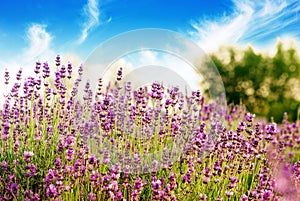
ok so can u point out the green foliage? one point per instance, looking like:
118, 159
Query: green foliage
267, 85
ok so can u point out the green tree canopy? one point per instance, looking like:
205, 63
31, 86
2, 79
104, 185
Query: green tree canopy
267, 85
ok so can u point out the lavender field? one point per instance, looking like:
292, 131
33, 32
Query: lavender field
55, 146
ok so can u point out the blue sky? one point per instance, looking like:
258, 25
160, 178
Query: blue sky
38, 29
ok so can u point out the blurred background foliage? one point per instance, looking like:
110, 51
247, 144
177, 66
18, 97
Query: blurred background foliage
268, 85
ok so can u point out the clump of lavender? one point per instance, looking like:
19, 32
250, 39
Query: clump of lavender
150, 143
142, 124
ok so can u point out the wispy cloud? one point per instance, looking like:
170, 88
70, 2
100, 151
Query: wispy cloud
249, 22
39, 46
92, 13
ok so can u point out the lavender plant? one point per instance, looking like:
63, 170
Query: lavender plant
152, 143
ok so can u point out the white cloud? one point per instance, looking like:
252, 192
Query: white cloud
148, 57
249, 22
149, 60
39, 47
92, 13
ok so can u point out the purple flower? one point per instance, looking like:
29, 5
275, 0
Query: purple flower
51, 191
267, 194
50, 176
32, 170
4, 166
27, 156
119, 195
138, 187
119, 74
92, 159
113, 186
30, 196
202, 197
244, 198
249, 117
95, 175
229, 193
70, 154
70, 141
91, 196
233, 179
172, 180
205, 179
58, 163
6, 76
